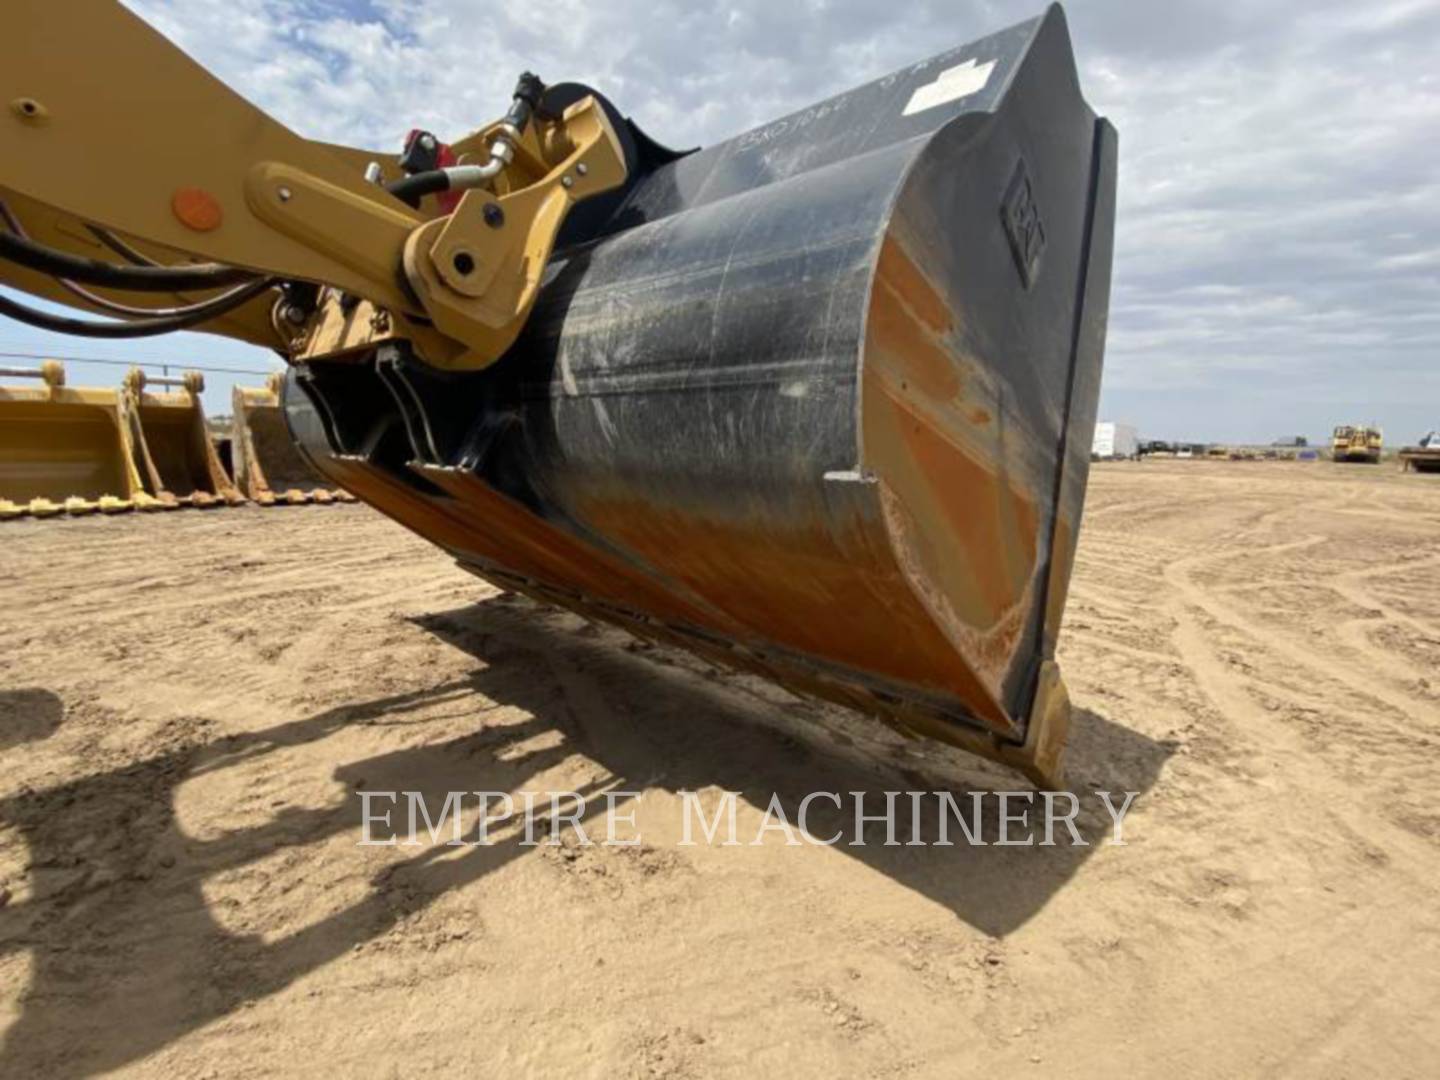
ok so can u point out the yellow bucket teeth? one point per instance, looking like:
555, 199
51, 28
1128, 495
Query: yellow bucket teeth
146, 446
174, 455
63, 450
269, 469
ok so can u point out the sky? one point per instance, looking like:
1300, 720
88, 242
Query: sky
1277, 257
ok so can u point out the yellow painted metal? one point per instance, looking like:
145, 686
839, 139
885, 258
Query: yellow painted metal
64, 450
269, 469
124, 119
478, 283
171, 444
474, 314
1357, 443
107, 125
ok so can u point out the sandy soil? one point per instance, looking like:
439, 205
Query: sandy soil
190, 704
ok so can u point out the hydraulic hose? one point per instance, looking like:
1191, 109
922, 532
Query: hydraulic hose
120, 247
130, 311
526, 101
46, 260
102, 302
452, 178
191, 316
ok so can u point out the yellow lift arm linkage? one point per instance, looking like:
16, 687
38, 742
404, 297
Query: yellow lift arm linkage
110, 133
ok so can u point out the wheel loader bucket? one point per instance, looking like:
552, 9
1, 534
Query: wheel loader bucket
269, 468
816, 403
171, 443
63, 450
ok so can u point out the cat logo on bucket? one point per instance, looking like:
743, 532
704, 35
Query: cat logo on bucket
1023, 225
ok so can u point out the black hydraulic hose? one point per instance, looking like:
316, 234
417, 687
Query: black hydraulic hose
124, 250
113, 307
197, 313
528, 92
56, 263
410, 189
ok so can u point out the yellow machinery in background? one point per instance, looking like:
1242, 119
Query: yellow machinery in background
269, 468
1357, 443
64, 450
171, 444
146, 445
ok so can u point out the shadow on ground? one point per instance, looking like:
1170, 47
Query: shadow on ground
655, 718
126, 955
28, 715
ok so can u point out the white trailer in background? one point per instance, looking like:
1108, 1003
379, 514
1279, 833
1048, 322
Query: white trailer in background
1114, 440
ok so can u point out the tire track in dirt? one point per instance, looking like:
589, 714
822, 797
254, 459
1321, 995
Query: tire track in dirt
1358, 682
1379, 721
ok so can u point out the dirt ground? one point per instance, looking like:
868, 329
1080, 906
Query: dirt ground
190, 704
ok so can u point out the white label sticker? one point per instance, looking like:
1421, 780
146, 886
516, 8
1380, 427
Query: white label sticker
956, 82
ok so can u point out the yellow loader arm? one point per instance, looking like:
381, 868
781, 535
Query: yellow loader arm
113, 140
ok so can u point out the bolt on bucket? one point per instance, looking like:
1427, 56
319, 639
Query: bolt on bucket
173, 453
815, 403
62, 449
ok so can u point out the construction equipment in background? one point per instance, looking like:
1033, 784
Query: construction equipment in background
1424, 456
269, 468
815, 403
170, 441
64, 450
1356, 443
1115, 442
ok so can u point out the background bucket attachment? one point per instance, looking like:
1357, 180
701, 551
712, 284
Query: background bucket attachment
171, 444
268, 467
63, 450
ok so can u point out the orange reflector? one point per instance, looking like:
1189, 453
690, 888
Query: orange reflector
197, 209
